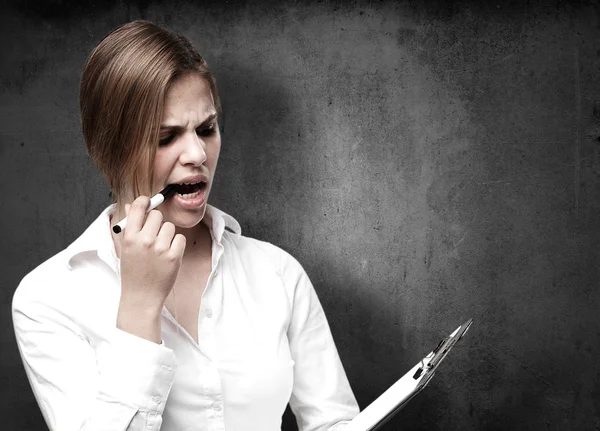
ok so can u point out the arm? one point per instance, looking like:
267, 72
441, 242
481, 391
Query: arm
114, 386
321, 397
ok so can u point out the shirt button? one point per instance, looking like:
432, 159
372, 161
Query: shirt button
209, 313
156, 400
217, 407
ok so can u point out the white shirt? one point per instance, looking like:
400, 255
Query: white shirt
263, 340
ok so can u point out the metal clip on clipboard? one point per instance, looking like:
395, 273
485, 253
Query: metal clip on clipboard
400, 393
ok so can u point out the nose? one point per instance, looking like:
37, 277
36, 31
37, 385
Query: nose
193, 151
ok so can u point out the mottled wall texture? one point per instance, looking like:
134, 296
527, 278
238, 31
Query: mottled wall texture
426, 162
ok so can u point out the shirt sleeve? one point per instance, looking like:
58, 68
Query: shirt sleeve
122, 389
322, 399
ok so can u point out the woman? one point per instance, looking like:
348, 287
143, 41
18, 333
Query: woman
179, 322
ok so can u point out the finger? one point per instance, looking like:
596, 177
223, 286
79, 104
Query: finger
178, 246
165, 237
152, 225
136, 214
127, 206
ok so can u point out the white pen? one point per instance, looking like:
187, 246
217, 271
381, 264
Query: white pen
155, 201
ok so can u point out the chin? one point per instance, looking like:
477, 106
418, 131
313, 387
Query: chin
188, 221
187, 225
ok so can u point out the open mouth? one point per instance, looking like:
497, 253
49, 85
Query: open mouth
189, 191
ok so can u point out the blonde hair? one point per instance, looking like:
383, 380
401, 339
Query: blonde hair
122, 96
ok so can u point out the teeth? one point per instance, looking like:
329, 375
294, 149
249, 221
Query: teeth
190, 195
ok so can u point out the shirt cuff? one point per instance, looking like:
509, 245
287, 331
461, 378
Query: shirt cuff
136, 371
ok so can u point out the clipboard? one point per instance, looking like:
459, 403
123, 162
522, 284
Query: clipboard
400, 393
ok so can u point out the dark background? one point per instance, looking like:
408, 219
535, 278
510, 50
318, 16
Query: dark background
426, 162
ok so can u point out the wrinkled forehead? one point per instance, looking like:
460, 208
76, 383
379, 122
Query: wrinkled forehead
188, 100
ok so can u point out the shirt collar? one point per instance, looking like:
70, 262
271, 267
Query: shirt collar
97, 236
218, 222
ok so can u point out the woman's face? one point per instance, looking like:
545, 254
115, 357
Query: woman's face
188, 150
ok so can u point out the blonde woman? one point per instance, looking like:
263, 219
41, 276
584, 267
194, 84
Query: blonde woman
179, 322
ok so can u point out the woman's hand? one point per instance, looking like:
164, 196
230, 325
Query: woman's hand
151, 256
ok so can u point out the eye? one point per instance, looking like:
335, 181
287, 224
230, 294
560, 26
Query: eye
163, 142
207, 131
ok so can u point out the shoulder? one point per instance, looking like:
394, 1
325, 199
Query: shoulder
263, 252
259, 260
248, 245
43, 296
267, 262
42, 281
226, 229
63, 279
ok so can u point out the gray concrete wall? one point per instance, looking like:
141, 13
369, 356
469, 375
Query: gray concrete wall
426, 163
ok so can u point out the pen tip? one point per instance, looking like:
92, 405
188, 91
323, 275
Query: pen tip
169, 191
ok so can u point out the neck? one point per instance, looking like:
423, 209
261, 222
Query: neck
198, 242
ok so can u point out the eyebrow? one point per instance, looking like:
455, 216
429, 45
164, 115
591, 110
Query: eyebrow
211, 118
